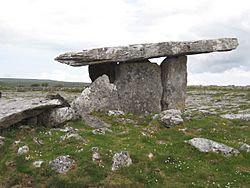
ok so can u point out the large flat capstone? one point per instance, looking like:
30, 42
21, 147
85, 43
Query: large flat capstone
139, 52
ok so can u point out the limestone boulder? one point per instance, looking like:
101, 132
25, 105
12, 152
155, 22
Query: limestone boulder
170, 117
139, 87
100, 95
56, 116
15, 111
94, 122
174, 82
206, 145
62, 164
121, 159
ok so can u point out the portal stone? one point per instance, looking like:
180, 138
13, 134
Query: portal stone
100, 95
97, 70
174, 82
139, 87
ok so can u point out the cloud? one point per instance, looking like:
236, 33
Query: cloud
63, 75
234, 76
33, 32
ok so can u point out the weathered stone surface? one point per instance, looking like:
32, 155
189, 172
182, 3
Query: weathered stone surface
23, 150
56, 116
139, 87
38, 164
101, 131
245, 117
96, 157
174, 82
2, 139
14, 111
98, 70
100, 95
170, 117
94, 122
206, 145
62, 164
145, 51
115, 113
245, 147
59, 97
121, 159
70, 135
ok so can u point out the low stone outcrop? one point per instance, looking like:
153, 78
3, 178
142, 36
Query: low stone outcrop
94, 122
170, 117
62, 164
23, 150
121, 159
244, 117
2, 139
245, 147
206, 145
56, 116
12, 112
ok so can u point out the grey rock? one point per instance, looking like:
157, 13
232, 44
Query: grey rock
68, 129
38, 141
115, 113
59, 97
101, 131
145, 51
2, 140
121, 159
56, 116
62, 164
126, 121
206, 145
97, 70
139, 87
94, 122
245, 117
38, 164
96, 157
14, 111
23, 150
70, 135
100, 95
171, 117
174, 82
245, 147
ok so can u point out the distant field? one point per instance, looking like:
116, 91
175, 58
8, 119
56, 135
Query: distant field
16, 82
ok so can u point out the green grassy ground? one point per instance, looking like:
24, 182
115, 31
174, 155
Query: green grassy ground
174, 163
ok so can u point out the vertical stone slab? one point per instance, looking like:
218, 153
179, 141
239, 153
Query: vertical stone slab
174, 82
97, 70
139, 87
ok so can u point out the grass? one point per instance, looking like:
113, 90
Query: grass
174, 163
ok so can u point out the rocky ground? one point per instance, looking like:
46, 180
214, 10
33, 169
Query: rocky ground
206, 146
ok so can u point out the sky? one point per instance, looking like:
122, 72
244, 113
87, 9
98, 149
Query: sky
34, 32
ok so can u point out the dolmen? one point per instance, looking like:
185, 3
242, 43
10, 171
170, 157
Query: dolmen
124, 78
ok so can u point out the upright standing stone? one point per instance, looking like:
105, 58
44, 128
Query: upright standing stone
97, 70
139, 87
100, 95
174, 82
